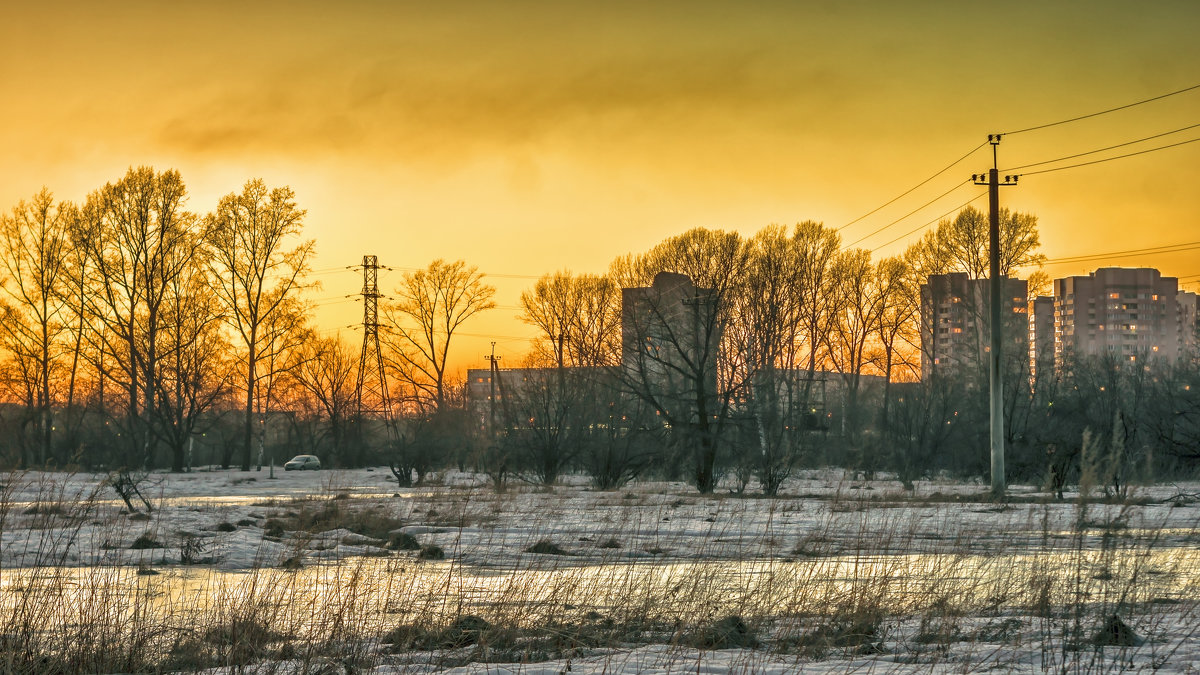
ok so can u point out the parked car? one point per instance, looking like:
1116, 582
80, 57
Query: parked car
302, 462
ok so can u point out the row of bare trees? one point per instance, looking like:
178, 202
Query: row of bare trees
133, 325
133, 314
735, 358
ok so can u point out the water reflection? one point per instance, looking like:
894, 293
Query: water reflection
368, 596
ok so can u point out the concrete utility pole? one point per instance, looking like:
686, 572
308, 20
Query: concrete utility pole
996, 393
493, 373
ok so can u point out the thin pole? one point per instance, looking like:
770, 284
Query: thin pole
997, 385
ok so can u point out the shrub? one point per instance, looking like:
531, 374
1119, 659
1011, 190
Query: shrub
431, 552
146, 540
728, 633
547, 547
403, 541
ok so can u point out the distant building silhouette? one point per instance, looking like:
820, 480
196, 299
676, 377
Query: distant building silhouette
670, 338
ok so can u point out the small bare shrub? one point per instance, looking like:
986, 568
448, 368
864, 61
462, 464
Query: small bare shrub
403, 541
728, 633
547, 547
146, 540
431, 552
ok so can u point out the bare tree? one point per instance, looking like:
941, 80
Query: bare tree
961, 244
897, 328
675, 325
257, 276
194, 374
579, 318
139, 240
326, 370
547, 418
431, 305
855, 320
767, 325
34, 243
817, 249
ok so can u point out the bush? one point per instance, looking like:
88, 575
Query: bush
547, 547
728, 633
431, 552
146, 540
403, 541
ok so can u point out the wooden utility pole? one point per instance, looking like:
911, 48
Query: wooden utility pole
995, 311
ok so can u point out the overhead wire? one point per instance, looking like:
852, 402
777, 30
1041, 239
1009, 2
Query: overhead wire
1109, 159
910, 213
913, 188
921, 227
1092, 152
1102, 112
1031, 173
1127, 253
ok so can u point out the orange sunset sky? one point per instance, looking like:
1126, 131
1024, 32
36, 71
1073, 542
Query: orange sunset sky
529, 137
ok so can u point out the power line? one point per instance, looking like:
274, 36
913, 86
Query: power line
1111, 147
910, 190
1109, 159
486, 274
1128, 253
901, 218
1102, 112
921, 227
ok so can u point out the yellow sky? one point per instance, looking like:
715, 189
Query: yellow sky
527, 137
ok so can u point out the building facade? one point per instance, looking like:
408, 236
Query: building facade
1128, 314
1041, 336
955, 322
670, 343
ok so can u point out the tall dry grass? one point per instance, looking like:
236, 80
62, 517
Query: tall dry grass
870, 581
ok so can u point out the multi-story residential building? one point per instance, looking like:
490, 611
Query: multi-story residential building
670, 339
955, 321
1189, 320
1041, 336
1124, 313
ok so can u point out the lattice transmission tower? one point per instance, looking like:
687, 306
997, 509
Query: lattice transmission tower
371, 392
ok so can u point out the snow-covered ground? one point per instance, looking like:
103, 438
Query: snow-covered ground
951, 582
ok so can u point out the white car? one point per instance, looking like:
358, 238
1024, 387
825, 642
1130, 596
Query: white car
302, 462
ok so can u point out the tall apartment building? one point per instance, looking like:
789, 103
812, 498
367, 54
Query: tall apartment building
670, 337
1126, 313
1042, 336
955, 321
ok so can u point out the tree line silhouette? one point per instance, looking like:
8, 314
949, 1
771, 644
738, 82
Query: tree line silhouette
137, 333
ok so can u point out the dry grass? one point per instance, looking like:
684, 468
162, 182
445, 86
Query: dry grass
918, 595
